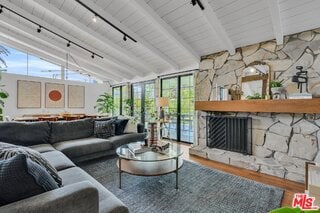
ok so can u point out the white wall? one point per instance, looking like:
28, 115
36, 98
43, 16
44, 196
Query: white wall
92, 91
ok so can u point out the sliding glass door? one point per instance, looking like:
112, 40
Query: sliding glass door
180, 91
120, 96
143, 95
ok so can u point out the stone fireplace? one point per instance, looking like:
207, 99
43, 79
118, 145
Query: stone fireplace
281, 142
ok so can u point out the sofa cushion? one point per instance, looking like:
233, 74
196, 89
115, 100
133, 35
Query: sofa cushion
9, 150
119, 140
25, 134
120, 125
84, 146
107, 201
70, 130
43, 148
104, 129
20, 178
58, 160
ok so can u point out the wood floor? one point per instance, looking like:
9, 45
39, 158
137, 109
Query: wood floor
290, 187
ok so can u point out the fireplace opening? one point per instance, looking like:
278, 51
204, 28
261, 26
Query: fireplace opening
230, 133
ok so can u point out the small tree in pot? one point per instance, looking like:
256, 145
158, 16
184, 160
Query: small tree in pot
105, 104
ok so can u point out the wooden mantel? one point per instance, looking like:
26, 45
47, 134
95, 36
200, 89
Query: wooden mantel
279, 106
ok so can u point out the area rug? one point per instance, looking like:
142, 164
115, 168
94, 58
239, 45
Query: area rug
200, 190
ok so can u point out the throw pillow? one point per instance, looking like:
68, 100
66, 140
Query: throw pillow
131, 126
9, 150
104, 129
120, 124
21, 178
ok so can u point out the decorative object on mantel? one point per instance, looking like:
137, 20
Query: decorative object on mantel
277, 90
222, 94
255, 81
235, 92
301, 78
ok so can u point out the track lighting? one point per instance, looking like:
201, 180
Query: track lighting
194, 2
92, 56
39, 29
94, 19
101, 18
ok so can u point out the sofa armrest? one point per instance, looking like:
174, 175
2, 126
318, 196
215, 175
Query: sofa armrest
73, 198
140, 128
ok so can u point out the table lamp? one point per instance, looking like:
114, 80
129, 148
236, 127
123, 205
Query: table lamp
162, 102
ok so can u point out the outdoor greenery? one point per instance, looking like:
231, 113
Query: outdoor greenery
276, 83
3, 94
104, 103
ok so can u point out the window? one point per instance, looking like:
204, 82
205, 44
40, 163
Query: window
116, 94
126, 104
25, 64
143, 94
180, 91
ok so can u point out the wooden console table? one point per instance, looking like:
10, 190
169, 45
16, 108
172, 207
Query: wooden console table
311, 106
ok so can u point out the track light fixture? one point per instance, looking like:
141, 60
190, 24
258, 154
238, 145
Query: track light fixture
92, 56
194, 2
40, 28
94, 19
124, 37
105, 20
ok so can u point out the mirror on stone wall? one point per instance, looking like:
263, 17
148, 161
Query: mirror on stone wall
255, 80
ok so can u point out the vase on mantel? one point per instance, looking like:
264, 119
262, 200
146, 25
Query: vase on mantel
278, 93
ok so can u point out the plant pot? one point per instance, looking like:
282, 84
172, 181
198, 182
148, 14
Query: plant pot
278, 93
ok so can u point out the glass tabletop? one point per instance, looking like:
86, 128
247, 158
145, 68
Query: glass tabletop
172, 152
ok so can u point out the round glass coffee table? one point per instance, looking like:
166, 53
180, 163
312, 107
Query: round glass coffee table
150, 163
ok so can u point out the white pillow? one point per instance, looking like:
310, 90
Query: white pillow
131, 126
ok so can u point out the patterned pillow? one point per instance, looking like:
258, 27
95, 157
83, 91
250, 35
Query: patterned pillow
22, 178
104, 129
9, 150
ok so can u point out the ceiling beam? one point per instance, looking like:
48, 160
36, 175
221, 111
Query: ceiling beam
54, 44
41, 51
215, 24
167, 30
107, 58
126, 29
276, 20
143, 67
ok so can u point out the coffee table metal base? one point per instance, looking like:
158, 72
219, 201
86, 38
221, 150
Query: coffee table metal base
154, 168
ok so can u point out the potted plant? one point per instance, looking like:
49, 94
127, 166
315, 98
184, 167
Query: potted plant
105, 104
3, 94
277, 89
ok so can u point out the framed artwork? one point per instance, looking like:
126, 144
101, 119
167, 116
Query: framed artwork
54, 95
76, 96
28, 94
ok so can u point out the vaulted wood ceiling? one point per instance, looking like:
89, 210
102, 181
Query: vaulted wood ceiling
171, 35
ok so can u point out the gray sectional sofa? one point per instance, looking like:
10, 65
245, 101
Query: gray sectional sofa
64, 144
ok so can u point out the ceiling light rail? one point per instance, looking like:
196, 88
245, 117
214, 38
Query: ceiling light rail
40, 28
125, 35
